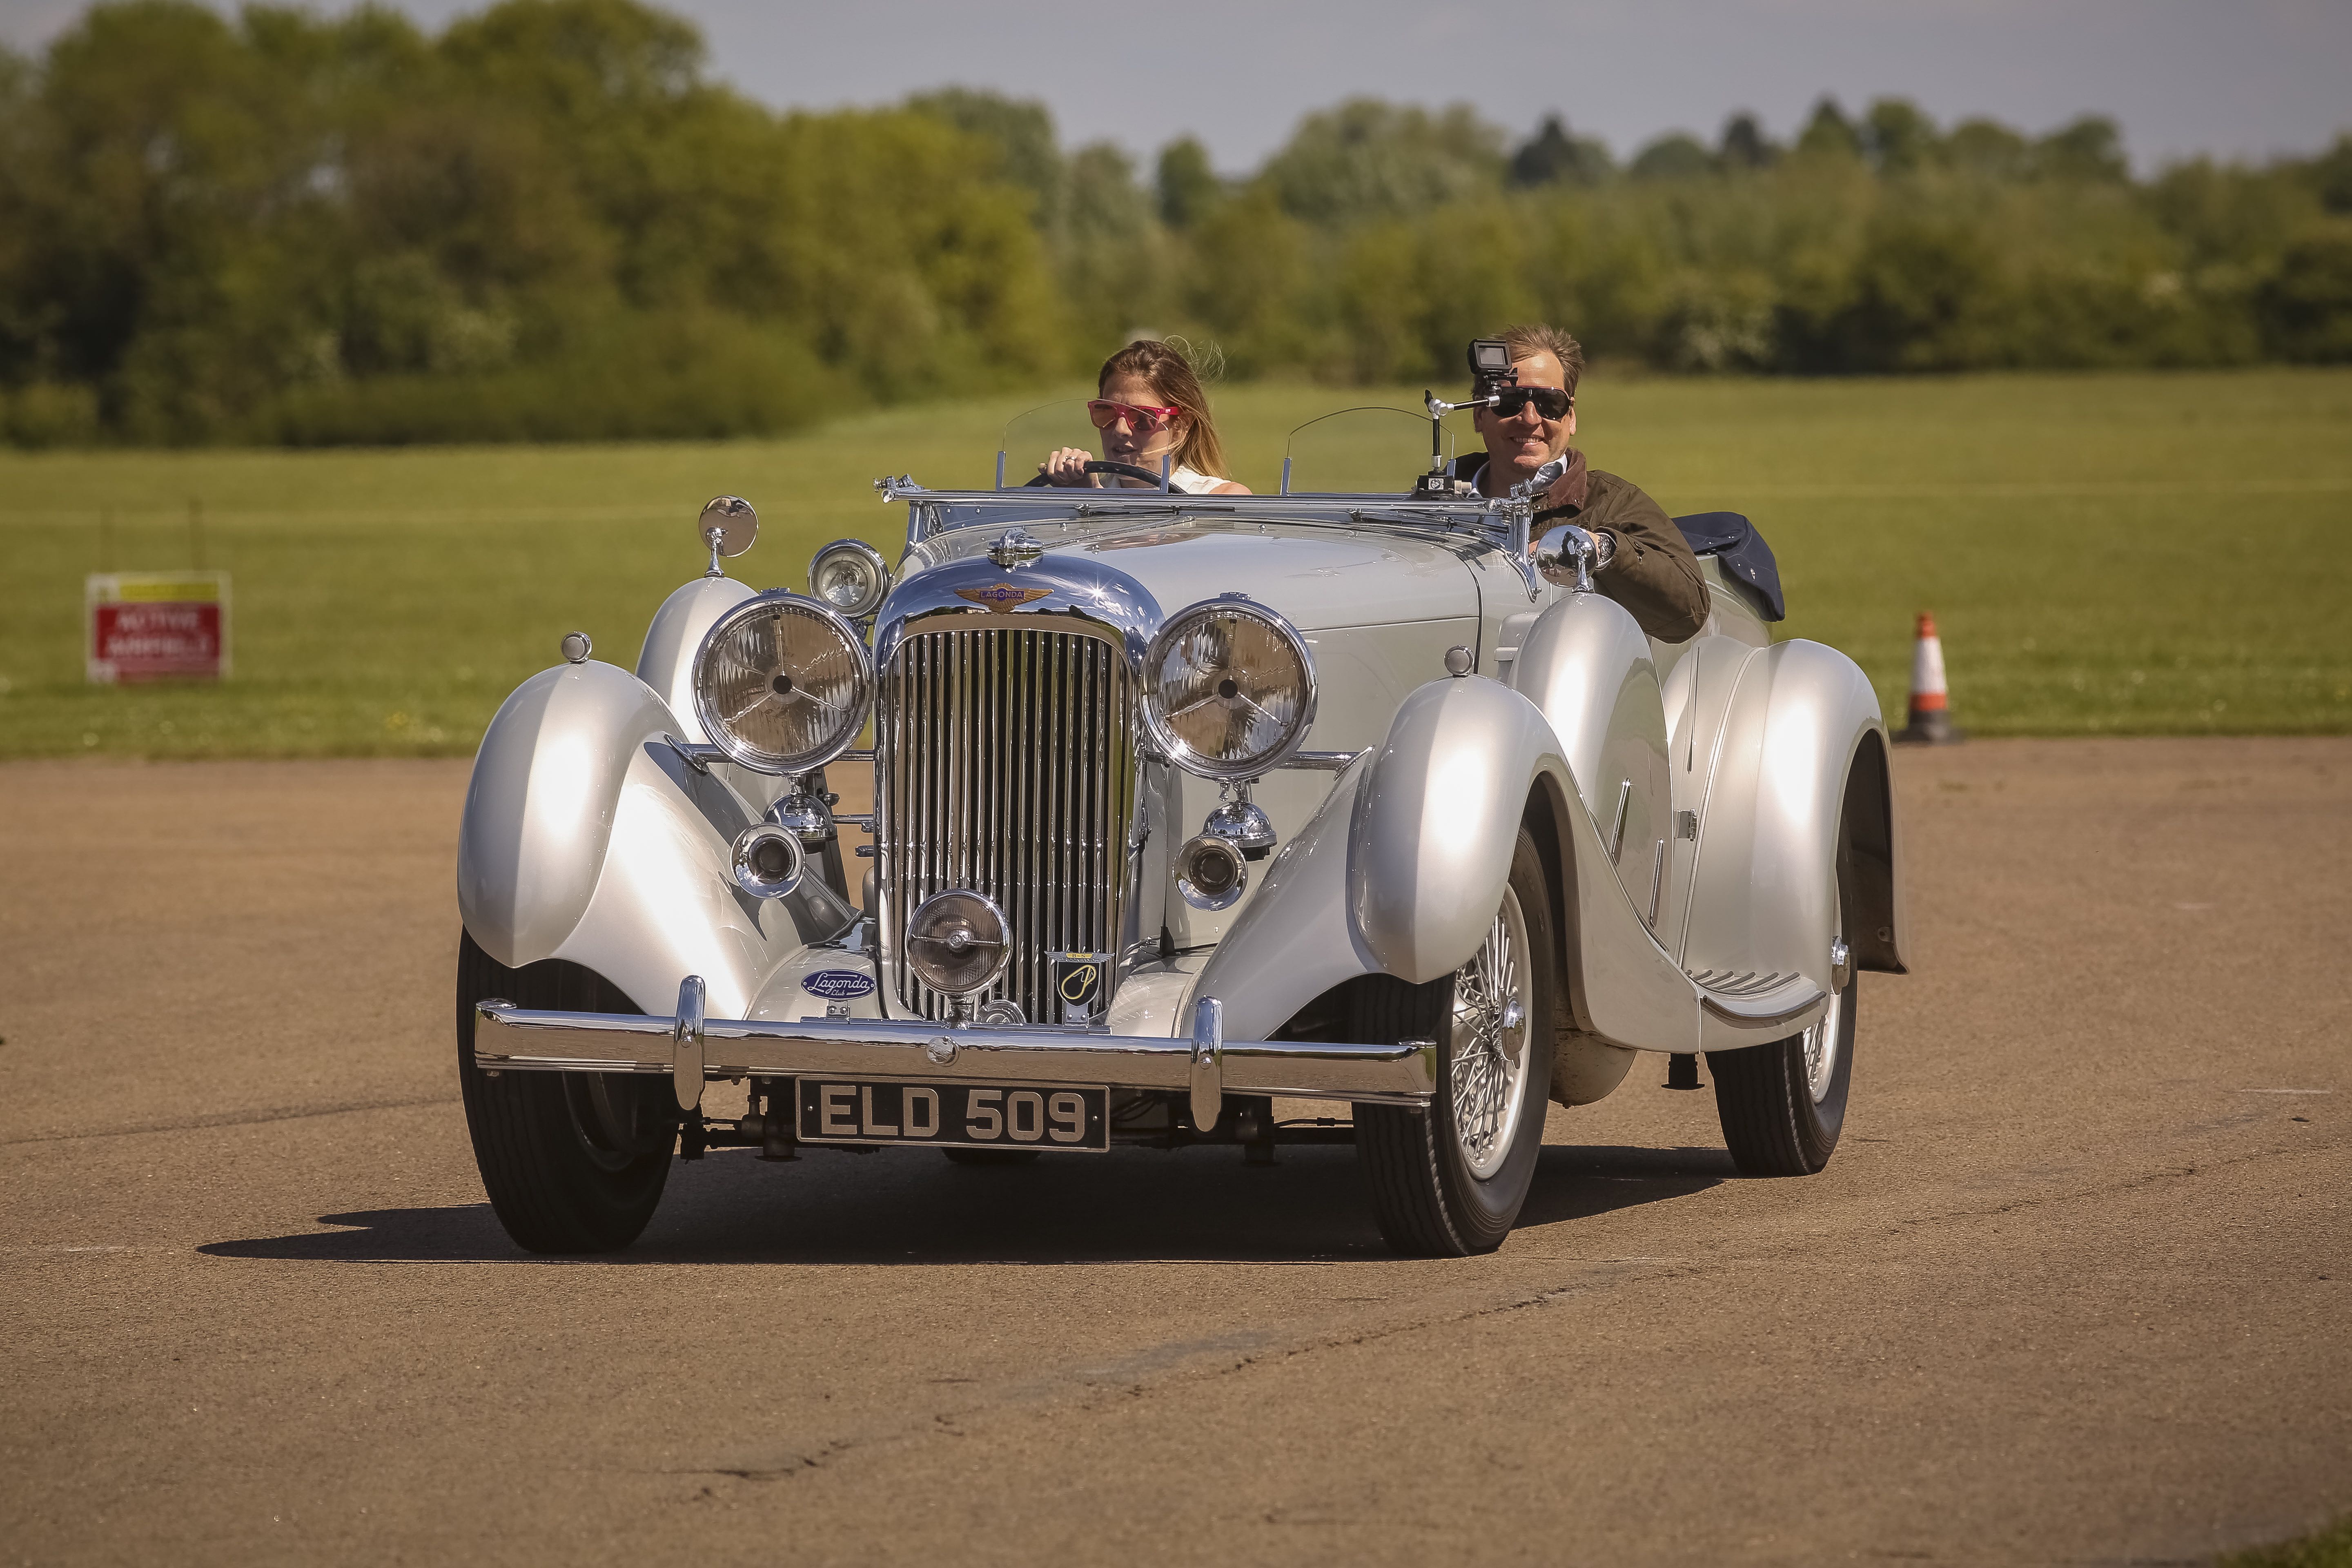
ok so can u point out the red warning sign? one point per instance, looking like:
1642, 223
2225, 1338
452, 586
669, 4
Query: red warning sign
157, 625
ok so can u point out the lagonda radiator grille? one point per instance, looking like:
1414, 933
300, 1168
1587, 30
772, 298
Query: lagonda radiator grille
1006, 766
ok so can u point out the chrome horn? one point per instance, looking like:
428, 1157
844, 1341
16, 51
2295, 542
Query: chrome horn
768, 860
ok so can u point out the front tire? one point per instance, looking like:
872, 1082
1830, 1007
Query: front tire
1450, 1181
572, 1162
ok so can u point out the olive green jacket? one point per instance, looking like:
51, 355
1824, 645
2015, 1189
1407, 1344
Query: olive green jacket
1653, 572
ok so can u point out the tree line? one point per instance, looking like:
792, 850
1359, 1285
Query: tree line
545, 222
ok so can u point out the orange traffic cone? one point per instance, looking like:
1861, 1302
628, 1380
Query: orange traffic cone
1931, 718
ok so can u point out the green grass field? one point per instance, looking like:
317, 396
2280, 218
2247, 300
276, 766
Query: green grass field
2104, 554
2327, 1548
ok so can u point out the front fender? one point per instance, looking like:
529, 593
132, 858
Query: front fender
539, 806
587, 837
1588, 668
1294, 940
1439, 811
1401, 869
665, 663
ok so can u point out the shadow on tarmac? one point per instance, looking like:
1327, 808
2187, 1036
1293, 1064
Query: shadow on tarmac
1194, 1205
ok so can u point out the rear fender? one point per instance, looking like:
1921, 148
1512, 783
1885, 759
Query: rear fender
1802, 737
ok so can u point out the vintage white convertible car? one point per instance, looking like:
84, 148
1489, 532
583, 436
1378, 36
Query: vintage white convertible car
1187, 810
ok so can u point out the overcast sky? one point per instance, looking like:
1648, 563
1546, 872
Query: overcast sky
2231, 78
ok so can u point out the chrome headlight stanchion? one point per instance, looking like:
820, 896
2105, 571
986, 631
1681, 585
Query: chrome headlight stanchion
807, 817
1228, 694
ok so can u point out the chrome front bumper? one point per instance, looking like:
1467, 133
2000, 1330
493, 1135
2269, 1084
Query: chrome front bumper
691, 1049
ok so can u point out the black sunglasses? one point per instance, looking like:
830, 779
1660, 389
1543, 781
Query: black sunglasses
1550, 401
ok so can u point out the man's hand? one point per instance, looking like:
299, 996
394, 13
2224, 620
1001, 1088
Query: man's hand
1068, 466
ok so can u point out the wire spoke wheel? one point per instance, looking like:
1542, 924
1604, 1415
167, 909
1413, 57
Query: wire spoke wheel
1489, 1070
1450, 1180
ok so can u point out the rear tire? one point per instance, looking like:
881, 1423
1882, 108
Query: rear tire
572, 1162
1782, 1106
1450, 1181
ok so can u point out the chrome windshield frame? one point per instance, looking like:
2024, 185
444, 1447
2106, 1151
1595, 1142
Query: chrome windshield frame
1502, 523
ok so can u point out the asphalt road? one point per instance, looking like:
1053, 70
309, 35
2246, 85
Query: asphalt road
2076, 1288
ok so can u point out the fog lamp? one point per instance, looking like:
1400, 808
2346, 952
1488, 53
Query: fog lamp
849, 576
958, 942
1242, 823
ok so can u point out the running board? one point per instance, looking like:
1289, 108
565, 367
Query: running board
1739, 1010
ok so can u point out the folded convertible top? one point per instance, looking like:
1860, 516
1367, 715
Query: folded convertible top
1733, 540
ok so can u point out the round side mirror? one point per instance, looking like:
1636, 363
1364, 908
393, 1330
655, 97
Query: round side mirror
726, 527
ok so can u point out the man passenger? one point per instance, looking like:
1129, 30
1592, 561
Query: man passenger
1645, 563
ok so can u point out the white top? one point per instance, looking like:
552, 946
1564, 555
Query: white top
1186, 479
1191, 480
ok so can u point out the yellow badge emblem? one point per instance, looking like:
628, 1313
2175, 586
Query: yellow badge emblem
1001, 596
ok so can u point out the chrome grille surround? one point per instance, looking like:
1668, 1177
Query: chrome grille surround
1006, 763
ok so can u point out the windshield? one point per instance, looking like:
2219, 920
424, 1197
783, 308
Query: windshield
1371, 451
1362, 451
1030, 438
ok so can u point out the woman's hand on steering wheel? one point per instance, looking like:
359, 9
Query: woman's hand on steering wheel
1068, 466
1075, 466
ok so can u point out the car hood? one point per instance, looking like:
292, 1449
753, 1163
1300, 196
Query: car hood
1319, 577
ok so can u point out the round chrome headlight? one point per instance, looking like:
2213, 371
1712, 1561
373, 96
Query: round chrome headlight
782, 684
958, 942
849, 576
1228, 689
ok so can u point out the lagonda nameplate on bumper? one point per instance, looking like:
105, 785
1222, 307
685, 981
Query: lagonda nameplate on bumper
953, 1115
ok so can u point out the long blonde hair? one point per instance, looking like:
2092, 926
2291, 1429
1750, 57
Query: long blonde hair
1170, 375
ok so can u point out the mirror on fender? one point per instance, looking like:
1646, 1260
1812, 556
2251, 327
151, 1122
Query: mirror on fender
726, 527
1565, 557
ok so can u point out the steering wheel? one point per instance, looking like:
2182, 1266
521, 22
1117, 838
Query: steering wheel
1130, 469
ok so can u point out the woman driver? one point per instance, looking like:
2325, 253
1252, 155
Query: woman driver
1149, 404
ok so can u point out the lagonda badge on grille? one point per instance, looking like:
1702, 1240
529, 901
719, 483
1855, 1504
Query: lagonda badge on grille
1002, 597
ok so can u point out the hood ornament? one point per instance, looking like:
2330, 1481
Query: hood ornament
1015, 548
1003, 598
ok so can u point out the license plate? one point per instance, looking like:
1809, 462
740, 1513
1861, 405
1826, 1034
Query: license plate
954, 1115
